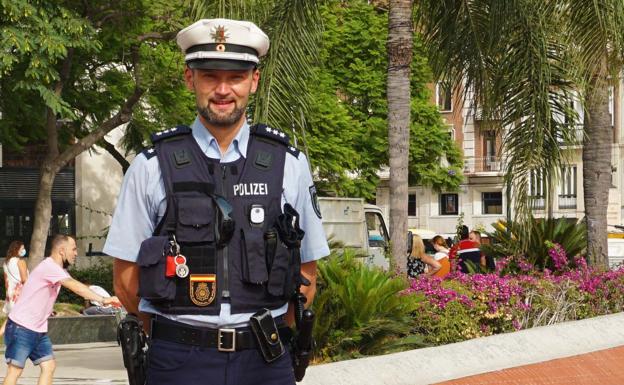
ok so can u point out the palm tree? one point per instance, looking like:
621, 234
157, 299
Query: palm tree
595, 32
400, 38
522, 61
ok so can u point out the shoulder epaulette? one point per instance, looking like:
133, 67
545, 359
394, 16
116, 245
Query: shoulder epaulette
169, 133
293, 151
149, 152
270, 133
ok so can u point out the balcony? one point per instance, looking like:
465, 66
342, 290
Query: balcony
538, 202
567, 202
489, 164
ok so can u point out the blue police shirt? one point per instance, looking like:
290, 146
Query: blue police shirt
142, 204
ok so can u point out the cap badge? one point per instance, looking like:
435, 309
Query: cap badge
220, 35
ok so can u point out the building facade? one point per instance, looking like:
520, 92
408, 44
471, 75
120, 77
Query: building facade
83, 196
481, 198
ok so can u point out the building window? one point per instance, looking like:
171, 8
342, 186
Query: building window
567, 188
449, 204
411, 205
443, 97
537, 192
18, 194
491, 162
492, 202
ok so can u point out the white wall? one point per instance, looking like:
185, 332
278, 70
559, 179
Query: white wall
98, 179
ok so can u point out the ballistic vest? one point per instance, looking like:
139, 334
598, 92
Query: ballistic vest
249, 271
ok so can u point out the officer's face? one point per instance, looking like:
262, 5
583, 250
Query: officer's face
222, 96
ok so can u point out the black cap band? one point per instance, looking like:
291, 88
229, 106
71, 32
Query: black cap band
221, 64
221, 47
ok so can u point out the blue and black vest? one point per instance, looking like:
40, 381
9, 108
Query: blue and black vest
241, 263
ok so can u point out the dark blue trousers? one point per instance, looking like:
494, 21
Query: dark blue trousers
172, 363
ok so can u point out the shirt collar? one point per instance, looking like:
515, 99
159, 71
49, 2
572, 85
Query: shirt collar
210, 147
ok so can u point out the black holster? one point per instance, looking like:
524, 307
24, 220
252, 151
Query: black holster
302, 342
134, 346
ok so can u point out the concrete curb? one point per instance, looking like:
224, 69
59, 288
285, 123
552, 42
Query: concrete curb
431, 365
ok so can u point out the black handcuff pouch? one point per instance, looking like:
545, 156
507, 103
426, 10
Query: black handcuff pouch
267, 335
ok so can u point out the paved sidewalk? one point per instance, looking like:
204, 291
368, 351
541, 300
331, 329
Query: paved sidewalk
603, 367
83, 364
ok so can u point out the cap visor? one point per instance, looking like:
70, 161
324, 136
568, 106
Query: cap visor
220, 64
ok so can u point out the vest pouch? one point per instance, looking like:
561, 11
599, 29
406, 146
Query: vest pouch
253, 256
279, 277
153, 284
196, 218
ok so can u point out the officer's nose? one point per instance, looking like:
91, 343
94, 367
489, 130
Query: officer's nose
223, 88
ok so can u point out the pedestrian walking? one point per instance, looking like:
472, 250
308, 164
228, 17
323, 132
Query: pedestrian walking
15, 275
26, 331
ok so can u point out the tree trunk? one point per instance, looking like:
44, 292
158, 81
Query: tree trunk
597, 169
400, 35
43, 214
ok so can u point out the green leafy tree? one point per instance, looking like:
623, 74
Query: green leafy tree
328, 89
352, 77
79, 70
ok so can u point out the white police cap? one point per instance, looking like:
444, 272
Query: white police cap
223, 44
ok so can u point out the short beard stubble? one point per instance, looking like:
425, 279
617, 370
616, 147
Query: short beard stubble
219, 120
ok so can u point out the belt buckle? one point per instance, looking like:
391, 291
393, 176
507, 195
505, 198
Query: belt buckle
221, 334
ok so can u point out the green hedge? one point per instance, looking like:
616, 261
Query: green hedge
100, 274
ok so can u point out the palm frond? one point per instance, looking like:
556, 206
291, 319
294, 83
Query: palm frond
505, 58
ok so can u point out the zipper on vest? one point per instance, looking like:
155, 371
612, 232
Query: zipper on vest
226, 279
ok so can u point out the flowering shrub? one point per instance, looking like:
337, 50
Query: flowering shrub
365, 311
466, 306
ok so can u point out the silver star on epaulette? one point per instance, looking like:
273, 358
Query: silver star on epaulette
150, 150
275, 132
282, 134
268, 129
159, 133
292, 148
173, 129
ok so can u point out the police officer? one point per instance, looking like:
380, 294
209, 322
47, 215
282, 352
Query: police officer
196, 230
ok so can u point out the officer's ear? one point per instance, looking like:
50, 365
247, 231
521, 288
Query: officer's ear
255, 77
188, 78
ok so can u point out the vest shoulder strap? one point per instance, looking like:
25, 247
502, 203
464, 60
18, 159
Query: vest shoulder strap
170, 133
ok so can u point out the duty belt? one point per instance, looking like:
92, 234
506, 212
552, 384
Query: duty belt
224, 339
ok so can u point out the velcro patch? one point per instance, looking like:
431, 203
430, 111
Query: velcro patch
263, 160
182, 157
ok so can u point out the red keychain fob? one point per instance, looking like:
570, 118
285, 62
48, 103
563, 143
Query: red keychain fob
170, 268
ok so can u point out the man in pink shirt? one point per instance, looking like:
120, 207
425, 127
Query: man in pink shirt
26, 331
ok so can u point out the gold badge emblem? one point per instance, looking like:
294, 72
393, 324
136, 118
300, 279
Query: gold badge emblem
220, 35
202, 288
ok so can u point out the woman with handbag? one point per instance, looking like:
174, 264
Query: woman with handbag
15, 274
